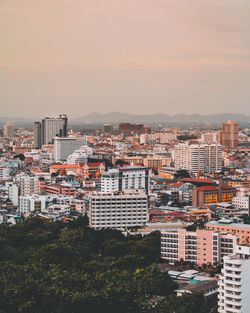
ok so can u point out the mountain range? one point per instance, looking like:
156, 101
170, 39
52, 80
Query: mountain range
161, 118
149, 119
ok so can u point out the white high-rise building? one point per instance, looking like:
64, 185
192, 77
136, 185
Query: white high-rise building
29, 185
213, 158
196, 158
181, 156
234, 283
13, 192
110, 181
126, 178
118, 210
32, 203
65, 146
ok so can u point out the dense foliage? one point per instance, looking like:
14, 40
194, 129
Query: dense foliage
50, 267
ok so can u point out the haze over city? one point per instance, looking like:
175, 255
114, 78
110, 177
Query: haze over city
140, 56
124, 156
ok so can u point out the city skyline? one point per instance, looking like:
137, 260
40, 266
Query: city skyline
124, 156
129, 56
227, 115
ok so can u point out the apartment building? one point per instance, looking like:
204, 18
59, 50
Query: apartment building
118, 210
32, 203
199, 247
234, 282
126, 178
13, 192
40, 203
198, 158
29, 185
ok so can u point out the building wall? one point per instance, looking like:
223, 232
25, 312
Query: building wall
118, 210
242, 231
199, 247
64, 147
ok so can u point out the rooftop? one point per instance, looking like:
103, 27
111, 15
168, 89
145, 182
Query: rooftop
234, 225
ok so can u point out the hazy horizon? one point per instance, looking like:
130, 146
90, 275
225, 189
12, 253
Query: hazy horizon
117, 112
129, 56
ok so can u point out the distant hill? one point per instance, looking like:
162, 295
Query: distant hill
161, 118
18, 121
149, 119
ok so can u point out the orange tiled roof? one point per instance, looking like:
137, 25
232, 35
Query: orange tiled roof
65, 166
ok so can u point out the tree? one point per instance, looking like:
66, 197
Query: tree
20, 156
120, 162
182, 174
48, 267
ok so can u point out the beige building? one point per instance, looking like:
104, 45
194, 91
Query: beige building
229, 136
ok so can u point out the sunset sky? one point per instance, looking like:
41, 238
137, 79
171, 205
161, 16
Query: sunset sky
135, 56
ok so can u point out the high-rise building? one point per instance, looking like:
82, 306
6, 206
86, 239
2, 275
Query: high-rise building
234, 282
118, 210
126, 178
38, 135
29, 185
8, 130
203, 158
65, 146
13, 192
49, 128
54, 127
229, 135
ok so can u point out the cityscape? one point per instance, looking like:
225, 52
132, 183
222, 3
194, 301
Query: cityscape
124, 156
189, 187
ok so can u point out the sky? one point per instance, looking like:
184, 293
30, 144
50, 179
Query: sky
133, 56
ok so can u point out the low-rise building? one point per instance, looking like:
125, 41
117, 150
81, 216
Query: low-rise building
207, 195
228, 226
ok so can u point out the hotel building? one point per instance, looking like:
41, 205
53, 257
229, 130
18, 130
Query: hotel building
118, 210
